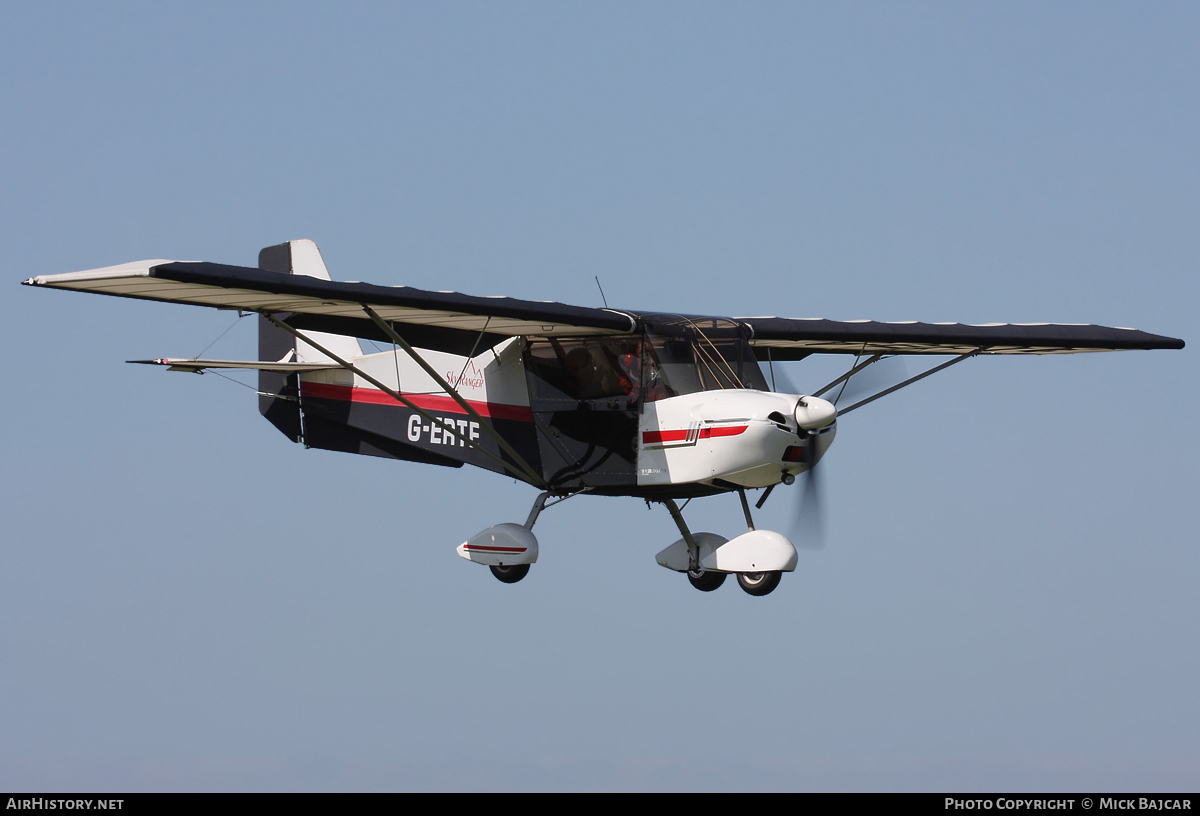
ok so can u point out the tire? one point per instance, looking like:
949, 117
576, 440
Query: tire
759, 583
510, 575
706, 581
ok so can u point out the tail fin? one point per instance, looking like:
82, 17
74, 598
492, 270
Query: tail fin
278, 392
305, 259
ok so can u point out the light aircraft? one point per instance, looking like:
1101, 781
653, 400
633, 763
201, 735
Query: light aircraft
572, 400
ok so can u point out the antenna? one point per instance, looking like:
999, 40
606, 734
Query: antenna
601, 288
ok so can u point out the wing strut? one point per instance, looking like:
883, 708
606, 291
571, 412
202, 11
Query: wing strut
909, 381
401, 399
454, 395
857, 368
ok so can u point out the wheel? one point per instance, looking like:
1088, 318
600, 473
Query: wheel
706, 581
510, 575
759, 583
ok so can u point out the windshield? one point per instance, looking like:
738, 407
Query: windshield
688, 364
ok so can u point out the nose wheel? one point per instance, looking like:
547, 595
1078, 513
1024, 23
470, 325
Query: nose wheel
759, 583
510, 575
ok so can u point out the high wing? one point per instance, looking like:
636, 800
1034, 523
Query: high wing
453, 322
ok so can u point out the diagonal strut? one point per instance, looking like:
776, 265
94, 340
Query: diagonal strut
400, 398
454, 395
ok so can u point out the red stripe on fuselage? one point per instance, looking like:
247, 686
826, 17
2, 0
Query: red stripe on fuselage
427, 402
664, 436
732, 430
651, 437
495, 549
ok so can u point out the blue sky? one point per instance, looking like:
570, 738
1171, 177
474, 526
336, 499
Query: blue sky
1006, 598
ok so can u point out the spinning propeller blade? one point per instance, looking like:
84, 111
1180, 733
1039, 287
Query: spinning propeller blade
871, 379
872, 376
780, 381
808, 524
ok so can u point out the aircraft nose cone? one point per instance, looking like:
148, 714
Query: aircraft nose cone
814, 412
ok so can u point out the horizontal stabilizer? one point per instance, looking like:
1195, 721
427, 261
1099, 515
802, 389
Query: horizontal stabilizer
193, 364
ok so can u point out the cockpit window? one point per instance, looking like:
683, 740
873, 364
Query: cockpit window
670, 368
696, 362
586, 370
619, 373
728, 364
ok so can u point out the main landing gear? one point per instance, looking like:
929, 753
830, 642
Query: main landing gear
706, 581
509, 549
512, 574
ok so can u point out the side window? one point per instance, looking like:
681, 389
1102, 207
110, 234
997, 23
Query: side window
597, 371
567, 372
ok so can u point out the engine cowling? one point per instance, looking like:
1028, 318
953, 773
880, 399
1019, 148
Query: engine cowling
745, 437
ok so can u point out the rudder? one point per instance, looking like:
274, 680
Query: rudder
278, 399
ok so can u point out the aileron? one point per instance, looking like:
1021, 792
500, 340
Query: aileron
868, 337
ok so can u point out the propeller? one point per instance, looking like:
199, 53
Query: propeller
808, 527
780, 381
872, 376
808, 522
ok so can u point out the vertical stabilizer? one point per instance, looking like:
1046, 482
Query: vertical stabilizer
278, 400
278, 394
306, 260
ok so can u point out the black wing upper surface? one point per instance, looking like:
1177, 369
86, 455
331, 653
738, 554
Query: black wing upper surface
447, 320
